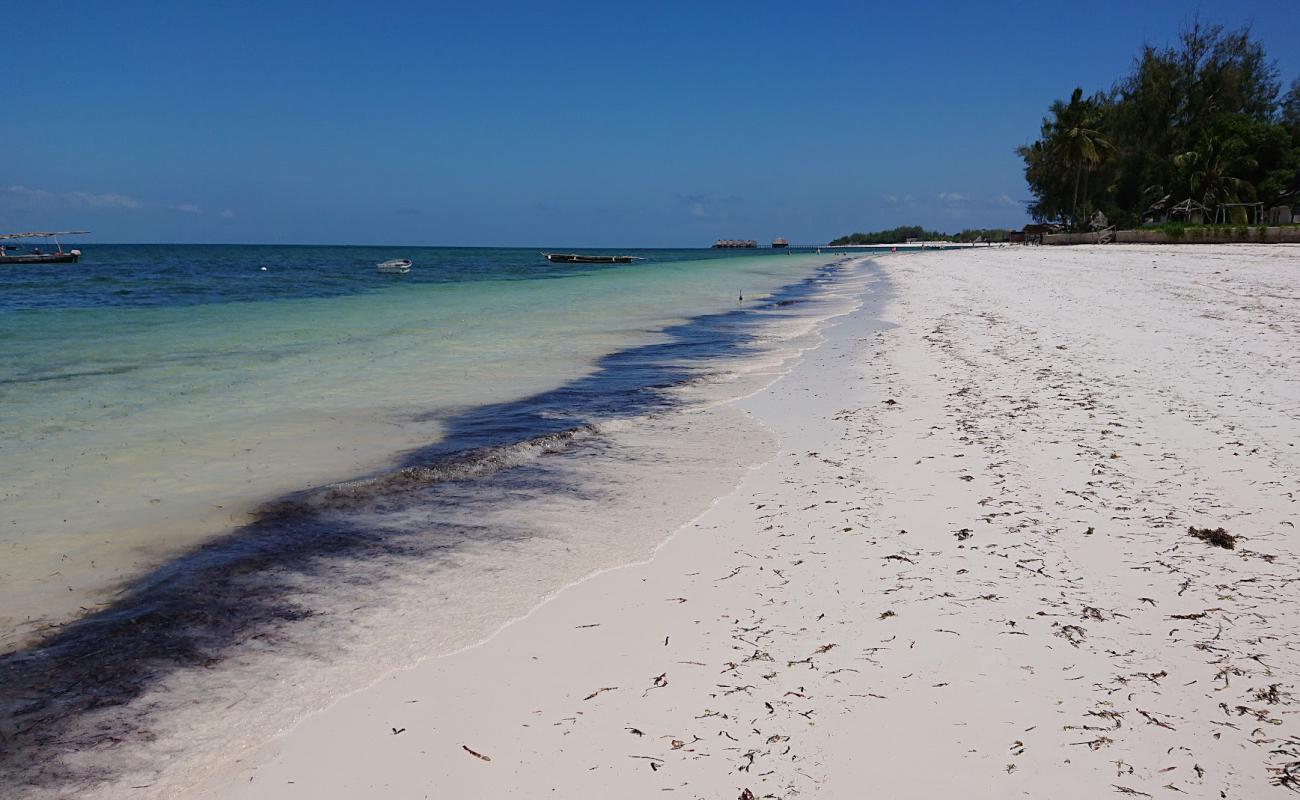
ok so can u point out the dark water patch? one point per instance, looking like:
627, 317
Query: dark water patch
392, 486
75, 691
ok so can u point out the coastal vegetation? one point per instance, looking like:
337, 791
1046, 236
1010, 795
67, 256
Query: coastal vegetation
892, 236
1205, 119
905, 233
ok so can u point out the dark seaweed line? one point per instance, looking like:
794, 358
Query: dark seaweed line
71, 691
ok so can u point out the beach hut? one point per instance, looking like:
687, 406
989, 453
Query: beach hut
1189, 211
780, 242
1158, 211
1033, 234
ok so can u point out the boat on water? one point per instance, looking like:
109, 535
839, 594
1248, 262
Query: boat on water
397, 266
9, 253
578, 258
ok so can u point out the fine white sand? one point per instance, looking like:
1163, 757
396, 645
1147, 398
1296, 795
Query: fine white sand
966, 573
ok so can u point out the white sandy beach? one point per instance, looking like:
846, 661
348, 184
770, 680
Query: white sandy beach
966, 573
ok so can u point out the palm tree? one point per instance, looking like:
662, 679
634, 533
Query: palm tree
1075, 135
1211, 170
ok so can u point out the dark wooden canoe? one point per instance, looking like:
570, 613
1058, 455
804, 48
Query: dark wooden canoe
575, 258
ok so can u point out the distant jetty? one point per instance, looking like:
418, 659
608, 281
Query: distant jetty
747, 244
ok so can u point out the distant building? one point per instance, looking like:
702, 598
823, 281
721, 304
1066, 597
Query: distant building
1188, 211
779, 242
734, 243
1034, 233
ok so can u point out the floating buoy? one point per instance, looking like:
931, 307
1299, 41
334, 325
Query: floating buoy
264, 269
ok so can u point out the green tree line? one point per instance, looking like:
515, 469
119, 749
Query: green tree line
902, 233
1204, 119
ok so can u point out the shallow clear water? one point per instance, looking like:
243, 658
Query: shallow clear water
154, 395
252, 506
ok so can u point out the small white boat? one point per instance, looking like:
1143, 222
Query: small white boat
397, 265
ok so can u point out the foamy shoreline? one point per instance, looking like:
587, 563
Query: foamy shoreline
967, 570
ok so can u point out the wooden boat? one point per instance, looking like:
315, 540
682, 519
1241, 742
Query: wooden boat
8, 254
577, 258
398, 266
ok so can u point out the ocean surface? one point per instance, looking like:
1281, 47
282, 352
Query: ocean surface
225, 467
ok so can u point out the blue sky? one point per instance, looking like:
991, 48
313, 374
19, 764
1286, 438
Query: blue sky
597, 124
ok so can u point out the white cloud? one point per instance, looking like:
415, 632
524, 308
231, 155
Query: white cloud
1004, 200
189, 208
707, 206
952, 197
227, 214
102, 200
895, 201
22, 193
27, 196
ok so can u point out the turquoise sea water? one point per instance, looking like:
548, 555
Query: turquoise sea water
154, 395
229, 494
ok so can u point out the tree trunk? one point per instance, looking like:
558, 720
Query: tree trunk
1086, 174
1074, 202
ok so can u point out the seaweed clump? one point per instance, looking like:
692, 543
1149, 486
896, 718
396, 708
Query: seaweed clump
1214, 536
